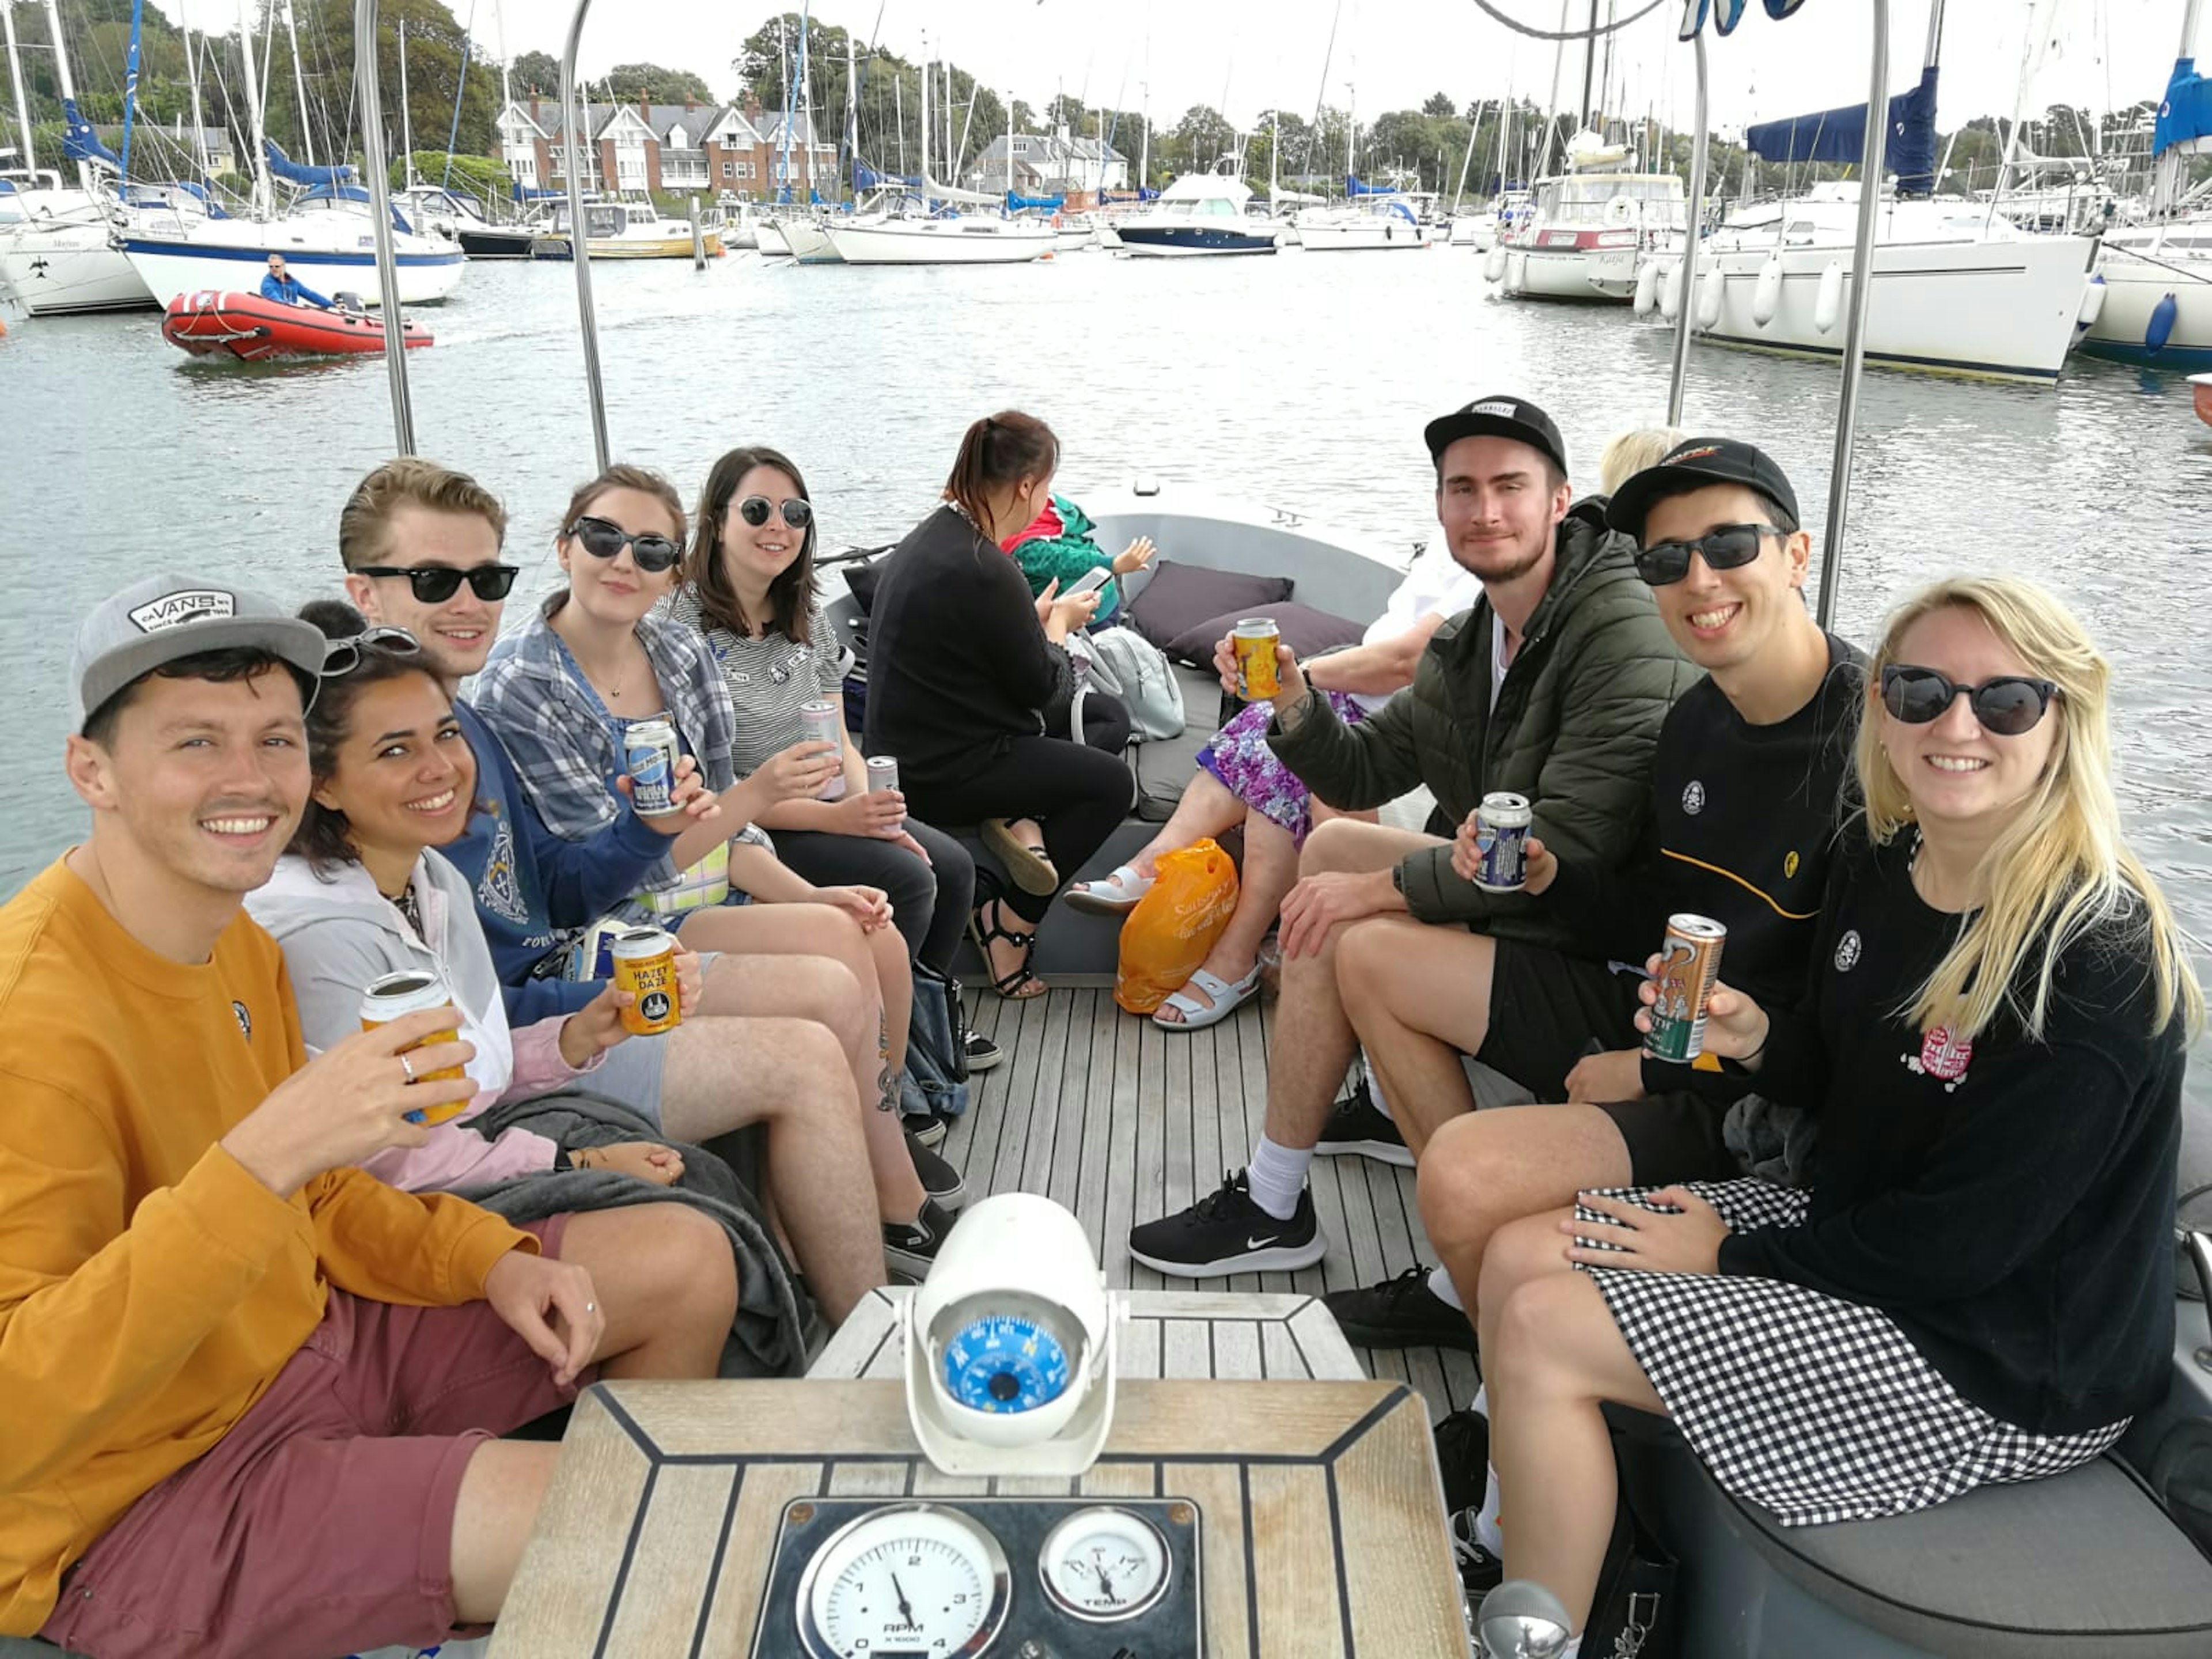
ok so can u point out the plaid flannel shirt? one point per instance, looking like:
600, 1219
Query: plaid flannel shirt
562, 737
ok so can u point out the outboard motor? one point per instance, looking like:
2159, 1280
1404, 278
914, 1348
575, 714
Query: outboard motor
346, 299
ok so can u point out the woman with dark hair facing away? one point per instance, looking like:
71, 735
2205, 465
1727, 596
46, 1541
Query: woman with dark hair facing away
1977, 1285
962, 665
749, 591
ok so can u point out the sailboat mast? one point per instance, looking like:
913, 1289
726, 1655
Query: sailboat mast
1551, 107
22, 100
67, 81
1467, 161
807, 95
1590, 63
192, 75
299, 83
406, 113
2169, 177
265, 194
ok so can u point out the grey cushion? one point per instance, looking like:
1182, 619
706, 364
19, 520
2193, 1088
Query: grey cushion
2085, 1563
1307, 631
1177, 597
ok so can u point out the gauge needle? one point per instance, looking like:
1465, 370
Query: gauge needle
1105, 1584
906, 1609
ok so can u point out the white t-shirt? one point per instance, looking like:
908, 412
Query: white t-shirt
1434, 586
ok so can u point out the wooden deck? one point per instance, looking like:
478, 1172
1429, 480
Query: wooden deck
1122, 1121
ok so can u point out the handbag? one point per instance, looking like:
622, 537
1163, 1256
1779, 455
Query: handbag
1124, 663
1634, 1614
936, 1077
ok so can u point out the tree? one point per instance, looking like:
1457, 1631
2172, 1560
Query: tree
1440, 105
1202, 137
631, 82
536, 71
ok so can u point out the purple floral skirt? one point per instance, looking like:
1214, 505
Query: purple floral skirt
1247, 768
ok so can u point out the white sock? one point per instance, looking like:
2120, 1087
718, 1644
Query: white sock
1442, 1288
1486, 1518
1481, 1402
1573, 1649
1277, 1175
1374, 1087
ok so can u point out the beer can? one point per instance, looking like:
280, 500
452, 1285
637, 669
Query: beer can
1689, 963
409, 991
1501, 842
645, 966
819, 723
650, 752
1253, 640
882, 774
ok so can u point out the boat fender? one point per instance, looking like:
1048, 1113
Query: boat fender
1670, 291
1493, 267
1709, 300
1828, 303
2093, 301
1517, 274
1766, 294
2160, 329
1647, 287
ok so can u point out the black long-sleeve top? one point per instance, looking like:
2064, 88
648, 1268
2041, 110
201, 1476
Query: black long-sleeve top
1743, 828
2008, 1203
959, 664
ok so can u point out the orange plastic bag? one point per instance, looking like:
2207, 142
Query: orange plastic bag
1167, 936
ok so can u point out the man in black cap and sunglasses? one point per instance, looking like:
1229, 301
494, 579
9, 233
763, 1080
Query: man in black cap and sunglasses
1554, 688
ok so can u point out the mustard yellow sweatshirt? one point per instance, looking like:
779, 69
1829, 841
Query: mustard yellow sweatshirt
150, 1289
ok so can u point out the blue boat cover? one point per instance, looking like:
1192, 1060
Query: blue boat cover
523, 195
1015, 203
866, 178
1839, 135
293, 173
79, 142
1353, 187
2185, 119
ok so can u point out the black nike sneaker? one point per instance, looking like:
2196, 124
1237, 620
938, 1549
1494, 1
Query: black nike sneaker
910, 1250
1480, 1571
1401, 1313
1462, 1440
940, 1180
1225, 1232
1357, 1128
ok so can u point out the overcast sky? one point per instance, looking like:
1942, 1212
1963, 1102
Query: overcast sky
1260, 53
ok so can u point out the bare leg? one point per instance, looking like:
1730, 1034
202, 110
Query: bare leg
1555, 1356
665, 1284
1271, 868
502, 1490
1208, 808
1418, 997
1315, 1043
1483, 1170
723, 1073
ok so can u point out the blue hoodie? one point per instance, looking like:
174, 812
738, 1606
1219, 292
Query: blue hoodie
291, 292
535, 891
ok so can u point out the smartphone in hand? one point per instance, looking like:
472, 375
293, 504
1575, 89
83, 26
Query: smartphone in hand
1090, 582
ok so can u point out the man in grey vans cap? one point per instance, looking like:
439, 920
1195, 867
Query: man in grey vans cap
160, 620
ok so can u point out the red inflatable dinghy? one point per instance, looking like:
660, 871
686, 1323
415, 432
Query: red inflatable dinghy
251, 328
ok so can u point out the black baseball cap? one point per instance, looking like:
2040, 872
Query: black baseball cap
1695, 463
1497, 418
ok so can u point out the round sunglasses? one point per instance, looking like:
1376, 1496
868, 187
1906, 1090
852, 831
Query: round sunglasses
434, 584
342, 656
1724, 549
2006, 705
797, 513
602, 540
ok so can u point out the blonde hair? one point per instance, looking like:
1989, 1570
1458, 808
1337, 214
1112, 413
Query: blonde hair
410, 480
2062, 870
1631, 452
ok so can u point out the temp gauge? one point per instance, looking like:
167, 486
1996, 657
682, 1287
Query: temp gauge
909, 1578
1105, 1564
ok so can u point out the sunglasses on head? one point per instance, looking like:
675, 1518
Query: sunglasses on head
2005, 706
341, 657
434, 584
1723, 548
602, 540
754, 509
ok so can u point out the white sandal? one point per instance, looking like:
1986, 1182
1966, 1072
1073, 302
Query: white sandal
1228, 997
1112, 896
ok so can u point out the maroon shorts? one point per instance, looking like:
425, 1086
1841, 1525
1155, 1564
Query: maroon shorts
322, 1523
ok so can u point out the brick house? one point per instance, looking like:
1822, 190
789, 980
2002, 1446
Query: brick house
680, 149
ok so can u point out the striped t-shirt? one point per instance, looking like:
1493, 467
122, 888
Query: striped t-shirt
769, 678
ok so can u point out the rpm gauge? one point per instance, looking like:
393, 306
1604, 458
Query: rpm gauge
1105, 1564
909, 1578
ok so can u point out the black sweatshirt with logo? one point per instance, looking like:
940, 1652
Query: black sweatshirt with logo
2009, 1203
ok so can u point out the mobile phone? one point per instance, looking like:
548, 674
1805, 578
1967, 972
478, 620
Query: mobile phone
1090, 582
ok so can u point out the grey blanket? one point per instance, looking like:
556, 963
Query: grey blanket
1774, 1143
769, 1336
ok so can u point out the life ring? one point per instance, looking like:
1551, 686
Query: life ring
1620, 211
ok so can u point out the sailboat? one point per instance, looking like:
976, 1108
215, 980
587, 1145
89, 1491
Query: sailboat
1958, 288
2156, 280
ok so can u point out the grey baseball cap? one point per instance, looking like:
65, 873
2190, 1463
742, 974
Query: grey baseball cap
156, 620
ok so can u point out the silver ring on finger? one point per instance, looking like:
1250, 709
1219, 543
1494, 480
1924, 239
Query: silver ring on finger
408, 1066
591, 1307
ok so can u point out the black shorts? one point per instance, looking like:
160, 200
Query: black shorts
1548, 1011
1674, 1137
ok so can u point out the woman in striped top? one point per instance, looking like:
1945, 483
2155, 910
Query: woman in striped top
750, 591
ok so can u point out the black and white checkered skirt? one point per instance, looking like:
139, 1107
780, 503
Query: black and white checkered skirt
1815, 1408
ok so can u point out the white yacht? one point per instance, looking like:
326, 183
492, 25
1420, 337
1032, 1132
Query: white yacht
329, 252
1586, 232
951, 240
1201, 213
1364, 225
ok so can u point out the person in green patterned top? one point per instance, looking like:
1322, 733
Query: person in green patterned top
1056, 546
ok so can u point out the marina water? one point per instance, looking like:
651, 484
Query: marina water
1300, 382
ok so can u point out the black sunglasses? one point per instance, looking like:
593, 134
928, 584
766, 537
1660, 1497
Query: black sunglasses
434, 584
602, 540
1724, 549
343, 656
754, 509
2006, 707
